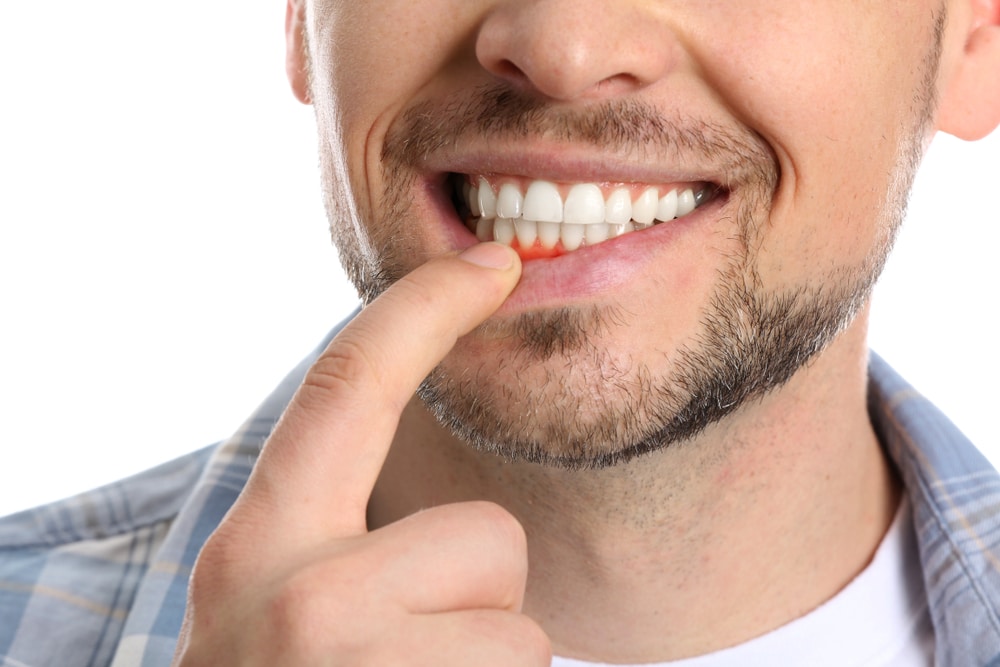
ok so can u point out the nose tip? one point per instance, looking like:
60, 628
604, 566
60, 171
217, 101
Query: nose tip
575, 49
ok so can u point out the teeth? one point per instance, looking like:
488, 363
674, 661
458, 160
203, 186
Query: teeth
487, 200
644, 208
572, 235
548, 234
595, 233
509, 202
543, 203
584, 205
618, 209
526, 231
540, 216
685, 203
503, 230
666, 208
484, 229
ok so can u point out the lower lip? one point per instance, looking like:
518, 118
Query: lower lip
596, 270
592, 271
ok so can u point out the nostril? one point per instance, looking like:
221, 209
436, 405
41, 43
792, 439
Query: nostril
508, 70
623, 81
545, 47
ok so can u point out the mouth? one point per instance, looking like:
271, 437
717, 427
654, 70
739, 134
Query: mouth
545, 219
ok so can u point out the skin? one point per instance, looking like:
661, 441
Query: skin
707, 538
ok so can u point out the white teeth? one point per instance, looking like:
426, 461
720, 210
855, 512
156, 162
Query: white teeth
509, 201
586, 218
487, 200
543, 203
571, 235
526, 231
584, 205
666, 209
644, 208
503, 230
548, 234
618, 208
595, 233
484, 229
685, 202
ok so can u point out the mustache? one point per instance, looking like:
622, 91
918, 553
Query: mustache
623, 126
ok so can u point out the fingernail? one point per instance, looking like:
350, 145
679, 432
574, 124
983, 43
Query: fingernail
491, 255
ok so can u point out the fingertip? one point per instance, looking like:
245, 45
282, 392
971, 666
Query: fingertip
490, 255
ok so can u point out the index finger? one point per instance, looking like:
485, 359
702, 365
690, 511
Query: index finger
319, 466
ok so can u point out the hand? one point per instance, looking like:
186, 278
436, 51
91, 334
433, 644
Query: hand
293, 577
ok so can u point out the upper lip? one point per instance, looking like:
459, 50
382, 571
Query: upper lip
565, 165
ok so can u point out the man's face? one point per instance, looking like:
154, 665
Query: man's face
794, 127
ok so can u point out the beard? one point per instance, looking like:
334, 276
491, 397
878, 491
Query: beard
549, 391
568, 402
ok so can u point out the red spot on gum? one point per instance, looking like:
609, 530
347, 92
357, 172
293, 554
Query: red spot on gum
538, 251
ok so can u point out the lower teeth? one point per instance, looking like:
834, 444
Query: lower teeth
548, 235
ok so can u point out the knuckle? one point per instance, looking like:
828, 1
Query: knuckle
347, 363
346, 369
215, 569
233, 552
220, 570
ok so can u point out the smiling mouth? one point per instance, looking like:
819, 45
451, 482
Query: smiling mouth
542, 219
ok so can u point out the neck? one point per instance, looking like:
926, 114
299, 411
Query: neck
693, 548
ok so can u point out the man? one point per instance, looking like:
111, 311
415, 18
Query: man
651, 432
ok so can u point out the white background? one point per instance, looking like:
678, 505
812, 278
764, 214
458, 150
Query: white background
164, 257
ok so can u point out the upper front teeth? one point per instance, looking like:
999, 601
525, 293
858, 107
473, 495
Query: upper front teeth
584, 205
586, 215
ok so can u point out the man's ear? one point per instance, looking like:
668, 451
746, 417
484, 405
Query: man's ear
296, 60
970, 103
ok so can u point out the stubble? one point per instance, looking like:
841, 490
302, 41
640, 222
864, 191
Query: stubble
581, 404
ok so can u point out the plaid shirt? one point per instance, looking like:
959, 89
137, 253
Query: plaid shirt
101, 579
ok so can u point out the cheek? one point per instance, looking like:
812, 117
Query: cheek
372, 60
832, 89
814, 68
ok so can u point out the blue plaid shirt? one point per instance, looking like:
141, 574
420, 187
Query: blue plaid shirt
101, 579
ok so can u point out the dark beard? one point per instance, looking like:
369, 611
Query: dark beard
750, 341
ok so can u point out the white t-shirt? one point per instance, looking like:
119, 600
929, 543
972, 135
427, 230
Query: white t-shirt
880, 619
